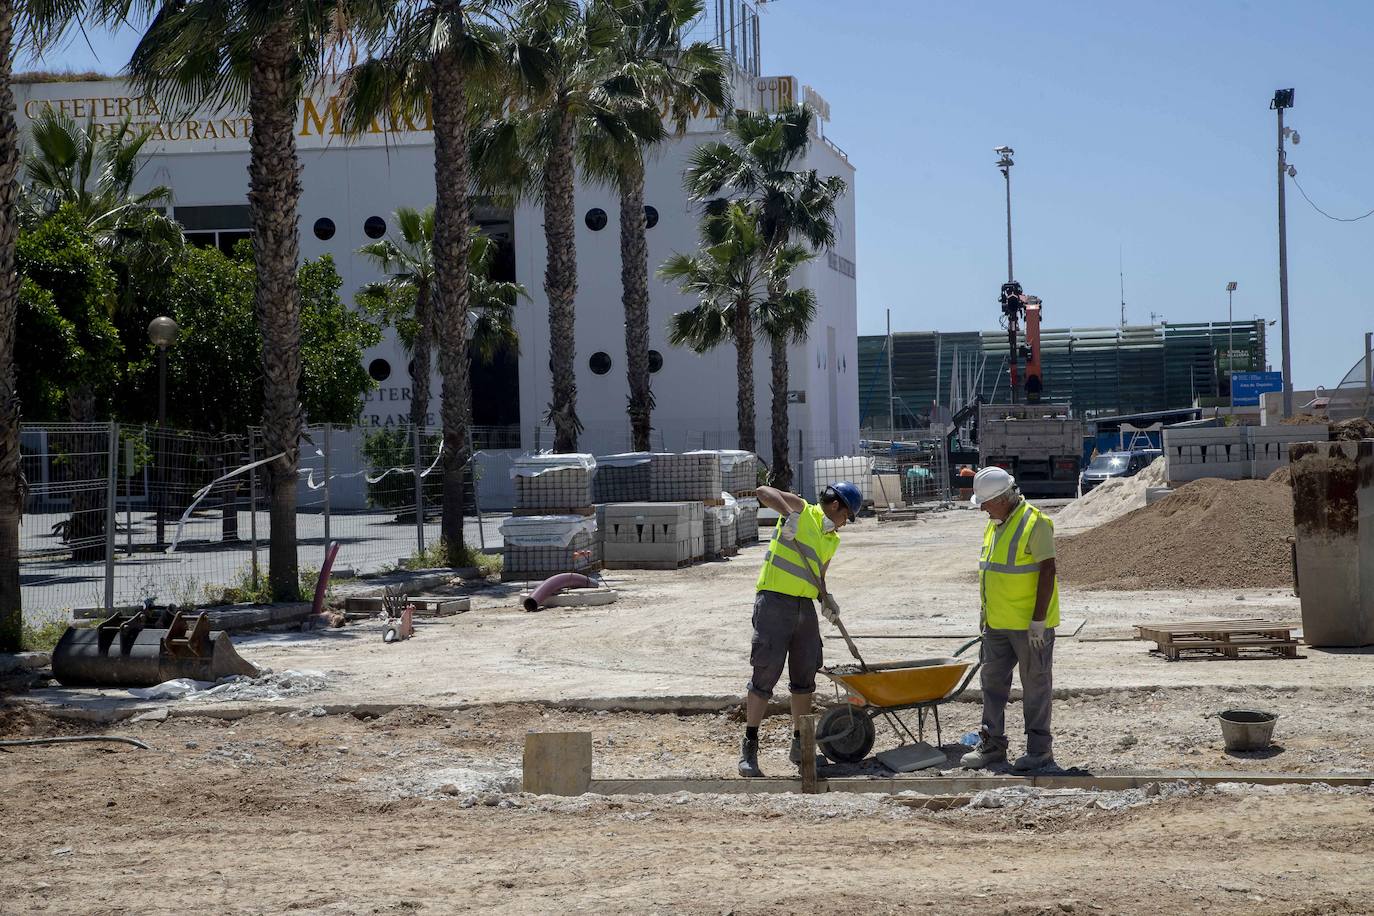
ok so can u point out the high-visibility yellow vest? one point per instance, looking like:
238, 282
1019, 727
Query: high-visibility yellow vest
1008, 577
793, 567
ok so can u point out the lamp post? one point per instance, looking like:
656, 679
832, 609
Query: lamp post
162, 331
1283, 98
1004, 163
1230, 347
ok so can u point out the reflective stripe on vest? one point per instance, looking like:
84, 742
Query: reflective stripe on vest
791, 567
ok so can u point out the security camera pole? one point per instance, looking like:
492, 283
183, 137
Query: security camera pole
1283, 98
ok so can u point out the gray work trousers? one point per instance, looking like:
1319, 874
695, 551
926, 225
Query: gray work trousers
1002, 651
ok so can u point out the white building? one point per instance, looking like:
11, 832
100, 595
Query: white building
352, 186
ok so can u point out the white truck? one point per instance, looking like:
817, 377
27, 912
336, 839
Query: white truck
1041, 445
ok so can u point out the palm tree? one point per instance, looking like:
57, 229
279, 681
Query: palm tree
665, 78
222, 52
757, 162
66, 164
435, 57
726, 276
569, 96
730, 278
33, 24
406, 297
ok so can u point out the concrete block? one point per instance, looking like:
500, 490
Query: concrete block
1333, 527
11, 662
557, 763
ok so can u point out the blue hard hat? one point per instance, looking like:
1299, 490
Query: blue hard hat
851, 495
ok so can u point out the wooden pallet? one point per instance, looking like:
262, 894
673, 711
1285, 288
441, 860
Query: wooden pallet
713, 502
425, 606
1245, 637
579, 510
744, 494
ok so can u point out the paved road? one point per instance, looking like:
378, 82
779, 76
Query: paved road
53, 584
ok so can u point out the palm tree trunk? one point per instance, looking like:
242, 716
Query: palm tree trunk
634, 284
560, 284
451, 243
274, 193
11, 473
420, 357
782, 467
744, 370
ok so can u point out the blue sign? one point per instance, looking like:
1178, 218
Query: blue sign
1246, 387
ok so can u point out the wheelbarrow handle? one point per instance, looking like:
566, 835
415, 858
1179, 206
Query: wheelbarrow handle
968, 645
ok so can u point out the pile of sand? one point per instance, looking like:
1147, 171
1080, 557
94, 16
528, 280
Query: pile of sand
1207, 534
1111, 499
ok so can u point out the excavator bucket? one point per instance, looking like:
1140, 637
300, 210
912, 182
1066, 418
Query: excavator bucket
123, 651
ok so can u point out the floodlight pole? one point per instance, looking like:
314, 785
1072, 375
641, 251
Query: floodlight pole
1283, 99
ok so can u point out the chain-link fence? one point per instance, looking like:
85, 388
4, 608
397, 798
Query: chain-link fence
119, 515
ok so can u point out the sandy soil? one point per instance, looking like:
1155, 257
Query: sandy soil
281, 813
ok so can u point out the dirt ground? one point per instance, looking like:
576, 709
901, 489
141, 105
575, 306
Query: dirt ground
384, 779
414, 812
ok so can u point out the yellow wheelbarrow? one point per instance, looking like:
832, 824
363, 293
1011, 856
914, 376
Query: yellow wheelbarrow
846, 732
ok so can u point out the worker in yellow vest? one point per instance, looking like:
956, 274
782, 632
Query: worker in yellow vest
785, 625
1020, 609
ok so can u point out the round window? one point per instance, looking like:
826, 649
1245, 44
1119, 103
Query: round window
410, 368
379, 369
596, 219
374, 227
655, 360
324, 228
600, 363
650, 217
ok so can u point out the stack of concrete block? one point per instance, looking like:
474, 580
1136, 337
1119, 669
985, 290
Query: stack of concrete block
653, 535
747, 520
553, 483
857, 470
729, 531
622, 478
1231, 452
539, 546
693, 476
1194, 452
1269, 444
739, 472
711, 532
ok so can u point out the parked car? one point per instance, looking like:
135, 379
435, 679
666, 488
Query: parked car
1115, 464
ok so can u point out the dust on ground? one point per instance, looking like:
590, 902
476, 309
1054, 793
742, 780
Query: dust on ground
415, 811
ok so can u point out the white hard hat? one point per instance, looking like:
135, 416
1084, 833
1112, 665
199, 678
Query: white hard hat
990, 483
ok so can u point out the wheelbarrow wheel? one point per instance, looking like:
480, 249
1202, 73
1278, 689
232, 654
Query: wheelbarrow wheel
845, 734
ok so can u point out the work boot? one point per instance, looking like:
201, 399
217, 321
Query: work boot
794, 754
749, 757
984, 755
1030, 763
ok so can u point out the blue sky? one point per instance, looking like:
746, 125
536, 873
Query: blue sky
1142, 129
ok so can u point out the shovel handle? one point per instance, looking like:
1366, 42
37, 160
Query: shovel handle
853, 649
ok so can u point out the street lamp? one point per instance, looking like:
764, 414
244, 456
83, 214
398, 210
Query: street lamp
162, 331
1005, 163
1230, 347
1283, 98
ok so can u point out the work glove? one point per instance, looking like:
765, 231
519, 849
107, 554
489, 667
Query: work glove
789, 527
1037, 634
830, 608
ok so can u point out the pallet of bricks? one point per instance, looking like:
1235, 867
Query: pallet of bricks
652, 535
553, 484
1232, 639
858, 470
722, 533
746, 521
553, 527
739, 472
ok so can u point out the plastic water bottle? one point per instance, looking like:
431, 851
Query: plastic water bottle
969, 740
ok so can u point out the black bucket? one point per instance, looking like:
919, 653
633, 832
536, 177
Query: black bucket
1247, 729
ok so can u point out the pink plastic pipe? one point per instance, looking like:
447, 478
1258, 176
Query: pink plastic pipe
553, 585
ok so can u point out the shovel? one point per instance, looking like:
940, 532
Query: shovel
853, 649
